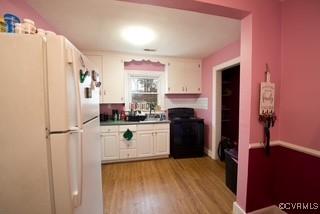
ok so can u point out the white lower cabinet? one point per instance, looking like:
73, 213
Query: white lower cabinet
162, 142
145, 143
128, 153
110, 146
149, 140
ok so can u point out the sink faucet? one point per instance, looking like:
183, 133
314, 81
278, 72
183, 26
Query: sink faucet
152, 107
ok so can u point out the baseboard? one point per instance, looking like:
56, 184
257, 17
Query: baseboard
208, 152
266, 210
312, 152
135, 159
237, 209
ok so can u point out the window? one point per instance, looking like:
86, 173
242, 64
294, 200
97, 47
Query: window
144, 89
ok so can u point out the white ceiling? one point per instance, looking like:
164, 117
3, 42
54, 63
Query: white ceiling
96, 25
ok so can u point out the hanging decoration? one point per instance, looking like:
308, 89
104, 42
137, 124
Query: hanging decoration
128, 135
266, 111
83, 75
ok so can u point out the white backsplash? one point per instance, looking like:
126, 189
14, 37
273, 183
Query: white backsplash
196, 103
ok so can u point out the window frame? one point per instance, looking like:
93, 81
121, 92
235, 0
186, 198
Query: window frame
160, 75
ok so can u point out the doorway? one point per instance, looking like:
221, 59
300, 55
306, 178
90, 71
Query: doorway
217, 103
230, 103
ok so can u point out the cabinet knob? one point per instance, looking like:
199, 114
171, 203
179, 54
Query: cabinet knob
186, 89
169, 89
104, 92
198, 89
182, 88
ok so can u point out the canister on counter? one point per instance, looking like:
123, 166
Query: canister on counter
18, 28
11, 20
3, 25
29, 26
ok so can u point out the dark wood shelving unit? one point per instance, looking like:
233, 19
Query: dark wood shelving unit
230, 103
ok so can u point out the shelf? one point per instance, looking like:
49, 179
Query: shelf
225, 120
226, 82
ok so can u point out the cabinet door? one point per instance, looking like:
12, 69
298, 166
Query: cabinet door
162, 140
145, 143
192, 77
175, 75
183, 77
113, 79
110, 146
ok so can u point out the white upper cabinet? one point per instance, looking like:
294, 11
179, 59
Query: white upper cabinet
113, 79
183, 76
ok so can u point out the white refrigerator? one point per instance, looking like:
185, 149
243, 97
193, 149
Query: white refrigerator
49, 129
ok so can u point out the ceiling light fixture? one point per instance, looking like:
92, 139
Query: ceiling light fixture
138, 35
150, 49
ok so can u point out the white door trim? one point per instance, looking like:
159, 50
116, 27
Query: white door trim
216, 103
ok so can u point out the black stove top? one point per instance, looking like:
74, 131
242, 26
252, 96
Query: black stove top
182, 114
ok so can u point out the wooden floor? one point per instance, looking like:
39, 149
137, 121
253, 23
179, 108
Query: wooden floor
194, 185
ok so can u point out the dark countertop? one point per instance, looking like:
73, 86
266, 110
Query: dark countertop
120, 122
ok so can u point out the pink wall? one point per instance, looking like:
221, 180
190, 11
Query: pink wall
300, 88
229, 52
21, 9
107, 108
260, 44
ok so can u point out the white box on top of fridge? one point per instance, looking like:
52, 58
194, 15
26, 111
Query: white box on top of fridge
49, 129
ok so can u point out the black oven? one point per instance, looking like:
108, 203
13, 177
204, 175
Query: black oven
186, 133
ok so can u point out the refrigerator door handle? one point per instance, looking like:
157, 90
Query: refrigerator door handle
76, 199
77, 89
76, 174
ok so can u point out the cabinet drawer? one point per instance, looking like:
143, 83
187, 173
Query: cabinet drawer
134, 136
164, 126
128, 144
126, 127
109, 129
146, 127
128, 153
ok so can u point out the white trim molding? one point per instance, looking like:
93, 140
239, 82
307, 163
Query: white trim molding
308, 151
216, 102
208, 152
273, 209
237, 209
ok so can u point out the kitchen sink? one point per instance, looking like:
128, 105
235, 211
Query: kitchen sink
150, 120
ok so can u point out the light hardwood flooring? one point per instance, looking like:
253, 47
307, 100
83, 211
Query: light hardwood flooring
166, 186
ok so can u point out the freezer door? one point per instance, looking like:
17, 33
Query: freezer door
77, 170
73, 95
89, 92
63, 85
